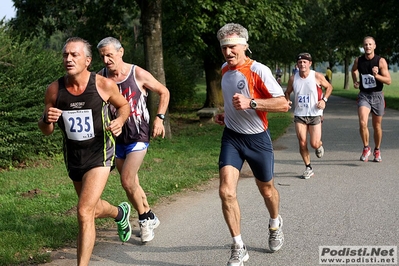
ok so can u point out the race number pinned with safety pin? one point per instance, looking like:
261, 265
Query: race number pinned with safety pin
368, 81
78, 124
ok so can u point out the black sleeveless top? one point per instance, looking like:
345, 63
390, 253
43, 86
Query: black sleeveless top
86, 142
367, 81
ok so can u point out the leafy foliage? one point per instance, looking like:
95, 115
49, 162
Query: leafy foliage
25, 71
91, 20
181, 74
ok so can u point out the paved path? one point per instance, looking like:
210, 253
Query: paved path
347, 202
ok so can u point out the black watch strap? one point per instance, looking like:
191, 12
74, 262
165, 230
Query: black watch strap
162, 116
44, 118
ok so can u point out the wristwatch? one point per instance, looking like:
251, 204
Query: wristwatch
44, 119
325, 99
162, 116
253, 104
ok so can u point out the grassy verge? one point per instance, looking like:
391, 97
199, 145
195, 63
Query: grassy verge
37, 205
391, 92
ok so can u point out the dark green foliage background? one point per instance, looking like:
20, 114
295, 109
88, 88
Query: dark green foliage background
26, 69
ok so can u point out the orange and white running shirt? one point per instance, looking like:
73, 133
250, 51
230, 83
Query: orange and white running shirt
307, 94
254, 80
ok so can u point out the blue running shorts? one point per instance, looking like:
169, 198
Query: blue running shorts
256, 149
122, 150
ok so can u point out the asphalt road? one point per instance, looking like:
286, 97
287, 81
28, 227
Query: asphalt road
346, 203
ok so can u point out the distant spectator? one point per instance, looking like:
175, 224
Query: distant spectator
279, 73
295, 70
328, 75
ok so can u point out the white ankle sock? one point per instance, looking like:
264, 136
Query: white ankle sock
274, 223
238, 240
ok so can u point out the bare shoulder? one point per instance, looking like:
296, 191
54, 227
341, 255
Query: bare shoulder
52, 88
319, 75
383, 62
104, 83
106, 87
53, 85
141, 73
51, 93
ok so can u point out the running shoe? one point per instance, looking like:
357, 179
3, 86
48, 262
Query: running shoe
238, 255
276, 236
147, 229
365, 155
319, 152
124, 228
308, 173
377, 155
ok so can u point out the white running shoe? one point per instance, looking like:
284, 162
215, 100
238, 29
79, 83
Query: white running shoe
319, 152
147, 229
308, 173
238, 255
276, 236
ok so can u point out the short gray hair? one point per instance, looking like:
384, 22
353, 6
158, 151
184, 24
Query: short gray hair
110, 41
232, 28
87, 45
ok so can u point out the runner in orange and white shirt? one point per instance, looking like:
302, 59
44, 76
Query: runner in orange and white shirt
249, 91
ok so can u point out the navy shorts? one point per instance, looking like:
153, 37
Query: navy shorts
256, 149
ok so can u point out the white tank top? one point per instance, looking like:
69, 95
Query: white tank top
307, 94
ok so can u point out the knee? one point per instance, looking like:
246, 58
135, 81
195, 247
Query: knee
268, 194
315, 144
363, 124
227, 194
129, 184
303, 146
268, 191
85, 213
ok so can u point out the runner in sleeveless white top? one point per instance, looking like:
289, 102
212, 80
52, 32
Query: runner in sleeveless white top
309, 104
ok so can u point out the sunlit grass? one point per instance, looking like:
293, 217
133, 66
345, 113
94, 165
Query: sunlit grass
37, 205
391, 92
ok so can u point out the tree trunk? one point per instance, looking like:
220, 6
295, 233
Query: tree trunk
346, 69
151, 21
213, 76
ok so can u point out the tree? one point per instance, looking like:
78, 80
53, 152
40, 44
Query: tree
91, 20
151, 21
192, 28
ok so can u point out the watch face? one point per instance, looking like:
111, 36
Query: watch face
253, 104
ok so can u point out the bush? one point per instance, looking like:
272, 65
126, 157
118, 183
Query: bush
26, 69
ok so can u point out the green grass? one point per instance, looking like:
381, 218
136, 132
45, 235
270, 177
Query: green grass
37, 204
391, 92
